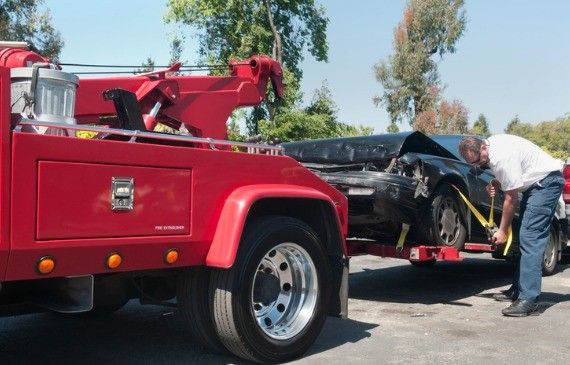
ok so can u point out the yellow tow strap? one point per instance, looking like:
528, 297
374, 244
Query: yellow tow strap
402, 239
489, 224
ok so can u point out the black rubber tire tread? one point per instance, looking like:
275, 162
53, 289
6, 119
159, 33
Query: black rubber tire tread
194, 301
551, 269
235, 329
428, 232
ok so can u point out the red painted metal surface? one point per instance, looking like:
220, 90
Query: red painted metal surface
413, 253
566, 189
55, 190
4, 169
15, 57
202, 103
234, 215
215, 175
74, 201
479, 247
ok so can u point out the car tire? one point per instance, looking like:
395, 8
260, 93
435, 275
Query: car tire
194, 305
271, 305
550, 262
444, 219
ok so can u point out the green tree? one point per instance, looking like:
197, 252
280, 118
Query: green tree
239, 29
176, 49
410, 78
147, 66
318, 120
552, 136
481, 127
21, 20
392, 128
514, 124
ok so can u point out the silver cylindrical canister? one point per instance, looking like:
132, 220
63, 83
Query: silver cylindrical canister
54, 96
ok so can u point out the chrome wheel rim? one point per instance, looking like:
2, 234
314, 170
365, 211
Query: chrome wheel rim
285, 291
448, 221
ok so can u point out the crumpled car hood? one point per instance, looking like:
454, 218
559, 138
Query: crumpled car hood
364, 149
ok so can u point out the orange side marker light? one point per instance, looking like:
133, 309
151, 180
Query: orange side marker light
114, 260
46, 265
171, 256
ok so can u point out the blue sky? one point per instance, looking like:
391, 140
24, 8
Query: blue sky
514, 58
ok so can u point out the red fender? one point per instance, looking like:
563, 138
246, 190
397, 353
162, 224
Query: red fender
234, 214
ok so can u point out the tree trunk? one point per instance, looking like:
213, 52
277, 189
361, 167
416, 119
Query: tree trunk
277, 47
277, 52
417, 106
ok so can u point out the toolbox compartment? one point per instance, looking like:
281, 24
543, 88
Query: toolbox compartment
75, 200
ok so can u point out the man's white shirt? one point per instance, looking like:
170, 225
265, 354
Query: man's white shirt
518, 163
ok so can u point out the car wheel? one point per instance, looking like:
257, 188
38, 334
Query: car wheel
550, 253
271, 305
444, 223
194, 304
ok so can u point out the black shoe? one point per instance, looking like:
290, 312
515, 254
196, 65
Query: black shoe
508, 295
521, 308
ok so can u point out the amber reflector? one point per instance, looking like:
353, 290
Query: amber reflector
114, 261
171, 256
46, 265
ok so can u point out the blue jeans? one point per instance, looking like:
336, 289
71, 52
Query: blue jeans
537, 208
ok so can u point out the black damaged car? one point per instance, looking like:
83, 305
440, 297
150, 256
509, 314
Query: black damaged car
409, 178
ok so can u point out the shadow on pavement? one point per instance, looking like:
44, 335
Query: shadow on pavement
133, 335
548, 299
445, 282
337, 332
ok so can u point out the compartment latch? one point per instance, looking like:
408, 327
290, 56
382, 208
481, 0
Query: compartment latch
122, 193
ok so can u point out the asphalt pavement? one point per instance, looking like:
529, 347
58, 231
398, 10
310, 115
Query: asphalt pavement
398, 314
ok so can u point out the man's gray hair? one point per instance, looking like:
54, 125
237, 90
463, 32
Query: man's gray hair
472, 144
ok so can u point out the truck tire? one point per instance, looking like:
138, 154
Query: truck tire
272, 304
194, 304
550, 262
444, 219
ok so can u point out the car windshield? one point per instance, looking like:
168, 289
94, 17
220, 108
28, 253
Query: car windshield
450, 143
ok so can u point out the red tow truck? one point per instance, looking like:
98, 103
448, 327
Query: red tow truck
249, 242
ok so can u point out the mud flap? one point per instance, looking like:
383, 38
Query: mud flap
65, 295
339, 301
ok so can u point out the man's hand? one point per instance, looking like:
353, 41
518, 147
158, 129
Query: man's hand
492, 187
499, 237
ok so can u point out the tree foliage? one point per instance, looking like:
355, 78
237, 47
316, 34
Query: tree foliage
481, 127
447, 118
410, 79
239, 29
318, 120
146, 66
21, 20
552, 136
